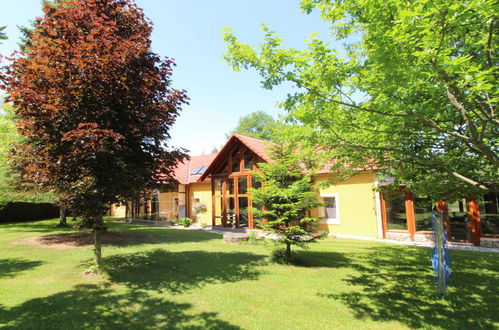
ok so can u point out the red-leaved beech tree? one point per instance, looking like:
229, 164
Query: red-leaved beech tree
95, 105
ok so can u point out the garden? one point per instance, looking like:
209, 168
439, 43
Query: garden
191, 279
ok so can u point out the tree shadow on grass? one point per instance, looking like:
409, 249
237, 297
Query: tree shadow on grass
396, 284
177, 272
307, 258
93, 307
166, 235
123, 238
35, 226
12, 267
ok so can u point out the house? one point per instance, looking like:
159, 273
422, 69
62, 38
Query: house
354, 208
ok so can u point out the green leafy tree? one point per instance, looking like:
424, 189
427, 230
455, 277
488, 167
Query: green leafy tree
414, 92
8, 137
12, 188
257, 124
95, 105
286, 195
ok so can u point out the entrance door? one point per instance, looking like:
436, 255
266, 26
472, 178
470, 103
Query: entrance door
459, 224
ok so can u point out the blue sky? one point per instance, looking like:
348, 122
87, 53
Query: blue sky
190, 32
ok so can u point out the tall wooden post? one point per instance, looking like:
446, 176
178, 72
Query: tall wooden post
473, 210
409, 207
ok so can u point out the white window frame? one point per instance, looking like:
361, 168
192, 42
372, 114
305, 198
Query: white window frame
331, 221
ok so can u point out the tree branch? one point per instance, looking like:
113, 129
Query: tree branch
489, 154
470, 181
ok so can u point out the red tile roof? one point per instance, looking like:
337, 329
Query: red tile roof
184, 169
259, 147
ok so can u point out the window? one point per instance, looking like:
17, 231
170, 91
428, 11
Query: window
236, 161
490, 214
330, 211
230, 186
218, 186
423, 208
248, 160
243, 185
199, 170
396, 216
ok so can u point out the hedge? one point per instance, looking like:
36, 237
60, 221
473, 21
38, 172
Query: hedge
24, 211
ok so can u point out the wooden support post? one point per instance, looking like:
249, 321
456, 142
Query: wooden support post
213, 205
383, 214
473, 210
411, 220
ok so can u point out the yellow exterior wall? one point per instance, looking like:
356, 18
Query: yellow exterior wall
117, 210
203, 192
357, 206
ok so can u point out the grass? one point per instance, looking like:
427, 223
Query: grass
167, 278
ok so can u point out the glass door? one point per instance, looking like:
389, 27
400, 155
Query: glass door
459, 224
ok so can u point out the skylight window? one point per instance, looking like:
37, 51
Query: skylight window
199, 170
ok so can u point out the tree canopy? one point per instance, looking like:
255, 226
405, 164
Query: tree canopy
12, 189
94, 104
258, 124
413, 93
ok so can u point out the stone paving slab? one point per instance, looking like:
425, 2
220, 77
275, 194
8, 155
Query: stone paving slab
236, 237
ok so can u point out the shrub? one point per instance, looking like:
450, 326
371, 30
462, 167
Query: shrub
186, 222
173, 222
25, 211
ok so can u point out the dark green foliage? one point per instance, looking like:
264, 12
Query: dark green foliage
284, 199
186, 222
23, 211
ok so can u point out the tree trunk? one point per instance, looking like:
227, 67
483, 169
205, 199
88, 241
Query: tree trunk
288, 251
62, 214
98, 229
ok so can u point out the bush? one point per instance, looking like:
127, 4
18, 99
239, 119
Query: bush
173, 222
186, 222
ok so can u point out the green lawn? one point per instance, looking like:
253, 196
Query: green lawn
167, 278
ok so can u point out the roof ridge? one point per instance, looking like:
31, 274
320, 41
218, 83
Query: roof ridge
250, 137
